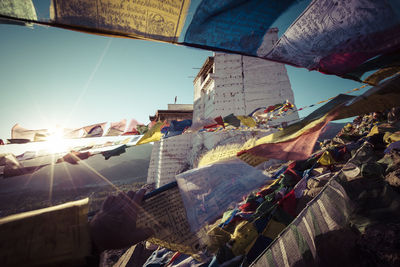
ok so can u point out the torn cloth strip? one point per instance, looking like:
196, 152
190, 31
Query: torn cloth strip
74, 157
381, 62
132, 128
392, 146
247, 121
115, 152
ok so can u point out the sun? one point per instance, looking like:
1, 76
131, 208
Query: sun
55, 141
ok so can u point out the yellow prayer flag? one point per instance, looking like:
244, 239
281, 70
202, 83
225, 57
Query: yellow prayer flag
391, 137
217, 237
53, 236
248, 121
271, 183
374, 131
150, 19
23, 9
252, 160
219, 153
244, 236
153, 135
326, 159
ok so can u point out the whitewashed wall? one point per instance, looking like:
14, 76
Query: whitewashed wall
176, 154
168, 158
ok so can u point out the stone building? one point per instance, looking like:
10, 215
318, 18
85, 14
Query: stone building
229, 83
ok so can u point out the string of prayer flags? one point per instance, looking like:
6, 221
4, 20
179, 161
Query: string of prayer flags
327, 37
272, 112
289, 112
219, 122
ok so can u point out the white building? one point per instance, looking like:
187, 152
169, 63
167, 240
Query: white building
169, 157
229, 83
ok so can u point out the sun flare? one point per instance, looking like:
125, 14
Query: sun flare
55, 141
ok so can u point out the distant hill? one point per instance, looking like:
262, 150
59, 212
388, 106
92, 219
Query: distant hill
126, 168
64, 182
128, 171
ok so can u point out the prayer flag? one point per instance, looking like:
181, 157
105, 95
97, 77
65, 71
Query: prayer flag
153, 135
116, 128
293, 143
343, 38
94, 130
151, 19
22, 9
17, 132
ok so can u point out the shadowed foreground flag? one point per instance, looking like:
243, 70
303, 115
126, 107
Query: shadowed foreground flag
345, 38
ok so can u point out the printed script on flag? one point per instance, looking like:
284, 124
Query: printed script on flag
160, 20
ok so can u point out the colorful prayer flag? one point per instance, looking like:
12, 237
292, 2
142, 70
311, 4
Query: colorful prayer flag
116, 128
153, 135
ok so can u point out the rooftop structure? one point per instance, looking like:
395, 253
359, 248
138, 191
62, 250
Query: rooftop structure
174, 112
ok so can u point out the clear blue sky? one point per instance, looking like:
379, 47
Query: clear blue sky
54, 76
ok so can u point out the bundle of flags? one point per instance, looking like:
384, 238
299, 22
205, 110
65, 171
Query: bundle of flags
94, 130
230, 120
272, 112
343, 38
